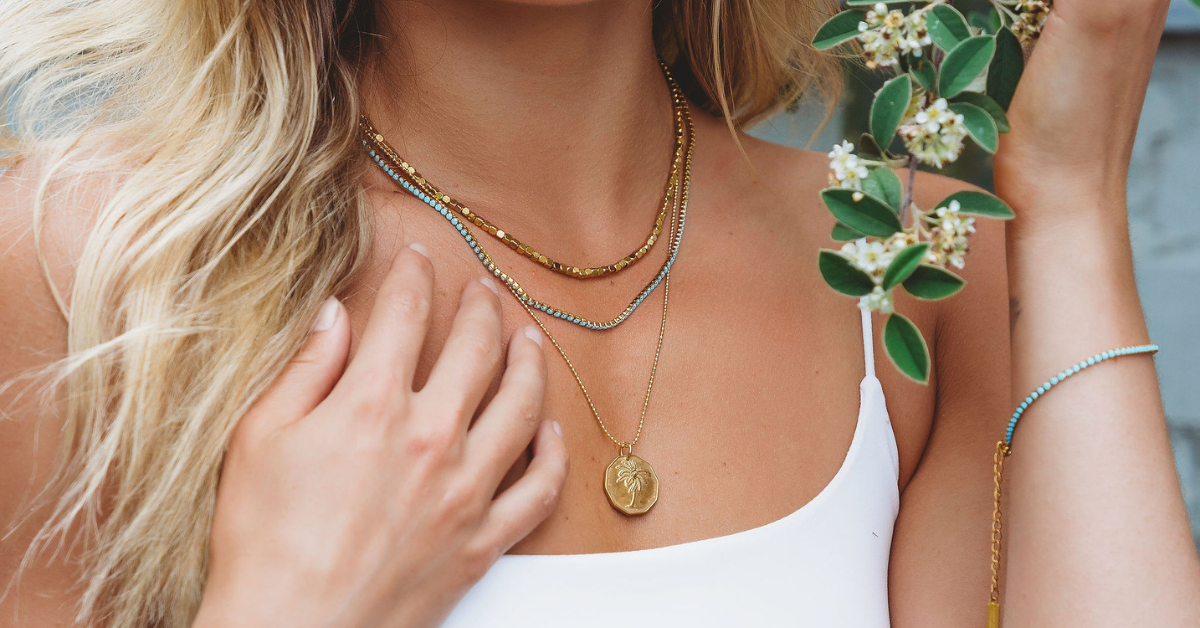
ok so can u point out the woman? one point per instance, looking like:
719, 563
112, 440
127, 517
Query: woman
224, 191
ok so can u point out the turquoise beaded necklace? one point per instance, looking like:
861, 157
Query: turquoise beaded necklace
678, 223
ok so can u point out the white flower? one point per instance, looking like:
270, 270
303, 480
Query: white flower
878, 300
873, 258
847, 170
935, 134
915, 35
870, 257
1031, 17
900, 240
948, 238
885, 35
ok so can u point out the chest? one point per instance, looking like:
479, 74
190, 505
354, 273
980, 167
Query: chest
755, 397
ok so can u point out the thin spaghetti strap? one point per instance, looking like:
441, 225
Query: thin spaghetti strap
868, 344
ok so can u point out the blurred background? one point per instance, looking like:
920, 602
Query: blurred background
1164, 214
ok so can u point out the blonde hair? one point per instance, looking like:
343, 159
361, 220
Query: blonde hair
229, 127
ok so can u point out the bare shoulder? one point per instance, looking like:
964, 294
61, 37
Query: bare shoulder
27, 305
42, 230
34, 329
33, 334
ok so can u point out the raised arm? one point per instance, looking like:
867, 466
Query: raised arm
1095, 528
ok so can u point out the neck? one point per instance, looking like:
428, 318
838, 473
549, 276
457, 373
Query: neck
535, 115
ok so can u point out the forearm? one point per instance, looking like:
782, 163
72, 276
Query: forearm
1096, 531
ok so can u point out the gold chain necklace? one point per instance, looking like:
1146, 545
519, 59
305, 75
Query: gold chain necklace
629, 481
400, 172
678, 104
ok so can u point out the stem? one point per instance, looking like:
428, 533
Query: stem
908, 189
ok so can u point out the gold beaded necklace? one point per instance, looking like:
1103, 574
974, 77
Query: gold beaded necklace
405, 174
679, 107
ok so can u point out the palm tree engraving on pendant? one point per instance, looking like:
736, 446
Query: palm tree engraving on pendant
631, 484
633, 477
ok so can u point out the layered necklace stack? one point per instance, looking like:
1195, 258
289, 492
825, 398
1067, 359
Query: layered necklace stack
629, 481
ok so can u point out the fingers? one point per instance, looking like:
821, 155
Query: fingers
511, 418
471, 354
307, 378
525, 504
391, 342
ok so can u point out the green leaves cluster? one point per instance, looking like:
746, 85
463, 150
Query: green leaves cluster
875, 213
974, 63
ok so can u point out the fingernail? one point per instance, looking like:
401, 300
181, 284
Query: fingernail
491, 285
327, 316
534, 334
557, 428
420, 248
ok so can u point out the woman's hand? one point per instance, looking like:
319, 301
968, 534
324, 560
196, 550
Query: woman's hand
1075, 113
347, 499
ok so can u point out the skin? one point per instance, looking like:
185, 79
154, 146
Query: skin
553, 122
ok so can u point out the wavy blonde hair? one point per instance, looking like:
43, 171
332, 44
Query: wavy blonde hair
229, 127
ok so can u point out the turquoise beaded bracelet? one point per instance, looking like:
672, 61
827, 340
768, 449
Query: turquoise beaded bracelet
1004, 448
1057, 379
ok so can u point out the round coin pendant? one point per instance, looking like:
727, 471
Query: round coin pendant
631, 484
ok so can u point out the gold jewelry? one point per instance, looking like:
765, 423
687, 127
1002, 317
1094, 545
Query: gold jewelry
679, 107
399, 172
993, 607
629, 481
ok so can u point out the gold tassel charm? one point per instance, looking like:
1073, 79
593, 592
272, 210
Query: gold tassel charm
993, 620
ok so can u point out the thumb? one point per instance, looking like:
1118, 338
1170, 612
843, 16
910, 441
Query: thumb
306, 379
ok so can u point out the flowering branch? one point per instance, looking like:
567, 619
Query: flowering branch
908, 189
953, 78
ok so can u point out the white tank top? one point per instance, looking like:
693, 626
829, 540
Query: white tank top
825, 564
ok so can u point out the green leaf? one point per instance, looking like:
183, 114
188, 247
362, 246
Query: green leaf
906, 348
931, 283
978, 203
965, 62
1005, 69
980, 125
842, 233
904, 264
947, 27
867, 215
890, 104
978, 19
884, 185
867, 144
837, 29
843, 276
924, 72
871, 3
994, 23
987, 104
988, 22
